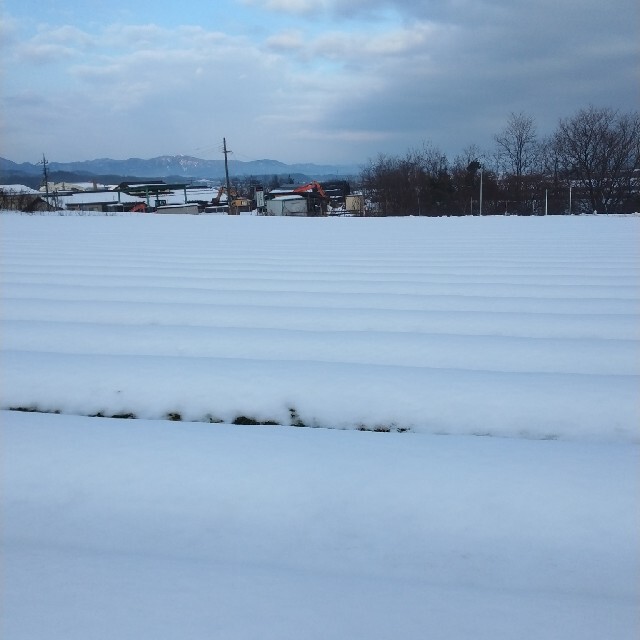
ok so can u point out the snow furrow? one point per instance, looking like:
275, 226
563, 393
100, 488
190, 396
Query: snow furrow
490, 353
339, 395
499, 325
126, 291
309, 318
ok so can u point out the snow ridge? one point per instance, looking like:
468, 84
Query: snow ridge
501, 326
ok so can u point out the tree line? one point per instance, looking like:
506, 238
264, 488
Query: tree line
591, 162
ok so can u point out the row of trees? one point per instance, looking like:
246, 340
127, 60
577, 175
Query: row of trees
590, 163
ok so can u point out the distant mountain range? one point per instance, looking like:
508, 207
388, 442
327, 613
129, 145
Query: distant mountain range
185, 167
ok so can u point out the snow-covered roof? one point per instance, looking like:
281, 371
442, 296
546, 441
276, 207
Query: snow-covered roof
288, 197
95, 197
205, 194
272, 191
18, 188
84, 186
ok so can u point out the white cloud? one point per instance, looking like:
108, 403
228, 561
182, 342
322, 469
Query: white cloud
68, 35
298, 7
8, 31
405, 42
287, 41
51, 45
44, 53
443, 70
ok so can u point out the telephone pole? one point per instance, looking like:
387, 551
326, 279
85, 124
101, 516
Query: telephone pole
226, 171
44, 164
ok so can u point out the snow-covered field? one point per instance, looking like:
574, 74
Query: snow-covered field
505, 326
524, 328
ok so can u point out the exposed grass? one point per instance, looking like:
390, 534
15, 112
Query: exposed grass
121, 416
176, 416
34, 409
244, 420
295, 418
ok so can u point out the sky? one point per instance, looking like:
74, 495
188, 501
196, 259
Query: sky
325, 81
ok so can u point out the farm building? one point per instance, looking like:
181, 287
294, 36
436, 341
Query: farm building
97, 201
18, 197
179, 208
287, 206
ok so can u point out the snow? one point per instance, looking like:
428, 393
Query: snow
85, 198
19, 188
525, 329
503, 326
152, 529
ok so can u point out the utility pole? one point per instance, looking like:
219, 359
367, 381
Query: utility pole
226, 172
44, 164
480, 206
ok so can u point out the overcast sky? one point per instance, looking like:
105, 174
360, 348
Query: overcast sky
327, 81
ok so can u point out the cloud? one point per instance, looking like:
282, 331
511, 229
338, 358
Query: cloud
9, 28
155, 97
45, 53
287, 41
347, 81
296, 7
50, 45
67, 35
339, 10
406, 44
456, 82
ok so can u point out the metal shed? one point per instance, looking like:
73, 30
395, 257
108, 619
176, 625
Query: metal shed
287, 206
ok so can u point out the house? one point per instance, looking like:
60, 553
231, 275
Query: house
18, 197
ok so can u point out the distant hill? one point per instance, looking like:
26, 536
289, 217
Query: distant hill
184, 167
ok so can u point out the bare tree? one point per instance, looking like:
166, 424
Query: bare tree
471, 153
592, 162
599, 148
416, 184
518, 144
517, 153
